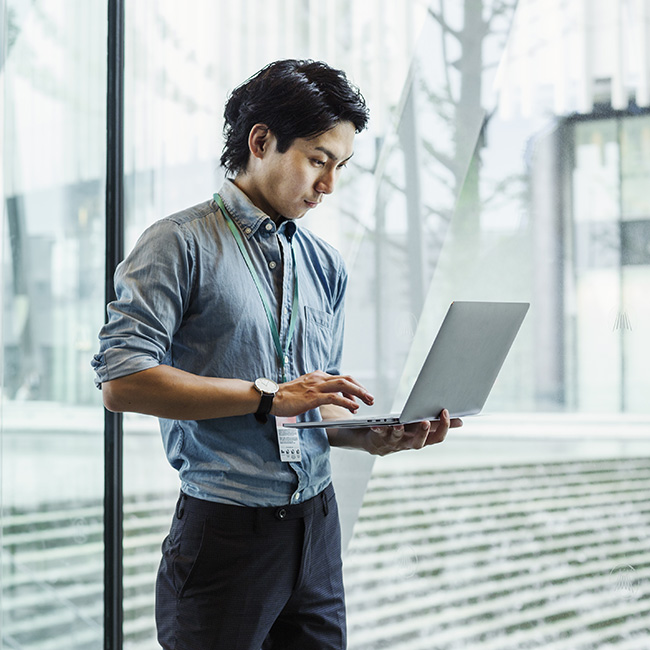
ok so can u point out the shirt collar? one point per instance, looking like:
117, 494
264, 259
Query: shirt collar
248, 217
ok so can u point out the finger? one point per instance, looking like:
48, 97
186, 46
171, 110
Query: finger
439, 433
337, 399
348, 386
416, 428
421, 435
390, 433
353, 381
396, 433
350, 396
435, 437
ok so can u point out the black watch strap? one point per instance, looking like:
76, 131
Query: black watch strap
267, 390
266, 402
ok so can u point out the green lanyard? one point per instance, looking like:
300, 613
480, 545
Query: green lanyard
283, 354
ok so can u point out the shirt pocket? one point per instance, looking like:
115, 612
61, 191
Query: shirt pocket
317, 339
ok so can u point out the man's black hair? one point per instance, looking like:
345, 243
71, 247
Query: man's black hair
295, 99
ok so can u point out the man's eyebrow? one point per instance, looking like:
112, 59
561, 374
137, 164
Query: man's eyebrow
330, 155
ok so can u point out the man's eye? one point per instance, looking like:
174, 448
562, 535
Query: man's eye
343, 165
318, 163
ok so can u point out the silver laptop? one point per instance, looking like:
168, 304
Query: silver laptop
460, 369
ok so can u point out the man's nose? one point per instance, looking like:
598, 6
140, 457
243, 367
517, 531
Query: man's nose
326, 182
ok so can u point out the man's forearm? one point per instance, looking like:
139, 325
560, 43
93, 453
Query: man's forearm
174, 394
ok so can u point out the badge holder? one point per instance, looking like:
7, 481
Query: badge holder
288, 441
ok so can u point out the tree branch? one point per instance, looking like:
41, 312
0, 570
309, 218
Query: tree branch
445, 54
439, 18
391, 183
443, 159
445, 215
355, 219
499, 9
509, 187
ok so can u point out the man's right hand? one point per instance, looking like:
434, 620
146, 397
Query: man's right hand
318, 389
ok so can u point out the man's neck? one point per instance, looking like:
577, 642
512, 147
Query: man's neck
247, 185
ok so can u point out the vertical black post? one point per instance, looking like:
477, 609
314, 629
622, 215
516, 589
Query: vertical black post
621, 269
113, 431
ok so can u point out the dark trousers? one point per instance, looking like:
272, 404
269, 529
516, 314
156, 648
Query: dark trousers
234, 578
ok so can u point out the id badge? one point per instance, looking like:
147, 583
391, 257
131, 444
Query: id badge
288, 441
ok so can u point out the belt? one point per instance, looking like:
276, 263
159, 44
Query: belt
228, 513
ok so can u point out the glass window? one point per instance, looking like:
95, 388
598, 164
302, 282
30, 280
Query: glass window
609, 260
52, 82
173, 100
180, 68
525, 528
596, 253
635, 167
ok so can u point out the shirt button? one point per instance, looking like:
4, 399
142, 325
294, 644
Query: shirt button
296, 496
272, 265
269, 226
247, 231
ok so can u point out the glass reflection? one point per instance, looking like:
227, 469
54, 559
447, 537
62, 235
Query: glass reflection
180, 68
525, 529
53, 90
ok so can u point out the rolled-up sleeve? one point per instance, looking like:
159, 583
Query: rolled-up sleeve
152, 286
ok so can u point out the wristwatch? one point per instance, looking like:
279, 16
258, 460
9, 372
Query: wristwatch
267, 388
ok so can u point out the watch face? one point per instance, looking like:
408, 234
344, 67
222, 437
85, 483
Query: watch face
266, 385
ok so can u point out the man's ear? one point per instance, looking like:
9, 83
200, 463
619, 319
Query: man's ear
259, 140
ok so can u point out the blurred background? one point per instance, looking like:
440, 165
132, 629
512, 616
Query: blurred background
508, 158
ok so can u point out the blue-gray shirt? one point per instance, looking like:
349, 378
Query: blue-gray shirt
186, 298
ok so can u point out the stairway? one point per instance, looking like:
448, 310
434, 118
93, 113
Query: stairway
52, 574
548, 555
551, 555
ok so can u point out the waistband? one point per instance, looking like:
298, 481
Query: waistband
244, 514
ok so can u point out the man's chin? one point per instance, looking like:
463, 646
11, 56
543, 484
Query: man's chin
293, 217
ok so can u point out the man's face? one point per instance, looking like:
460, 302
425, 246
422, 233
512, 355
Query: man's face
293, 182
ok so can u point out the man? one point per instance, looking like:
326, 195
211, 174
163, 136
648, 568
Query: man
229, 318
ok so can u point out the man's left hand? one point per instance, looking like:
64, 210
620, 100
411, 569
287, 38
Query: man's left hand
381, 441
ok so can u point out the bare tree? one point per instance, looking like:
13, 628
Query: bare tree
441, 131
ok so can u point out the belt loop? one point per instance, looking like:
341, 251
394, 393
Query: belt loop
180, 510
326, 507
